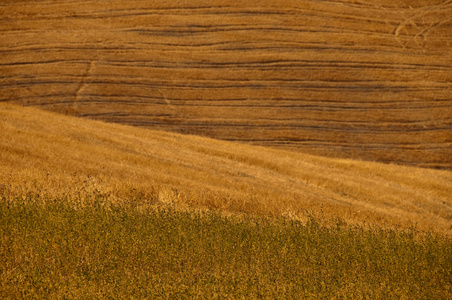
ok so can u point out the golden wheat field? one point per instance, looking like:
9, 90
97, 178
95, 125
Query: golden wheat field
226, 149
47, 155
368, 80
363, 80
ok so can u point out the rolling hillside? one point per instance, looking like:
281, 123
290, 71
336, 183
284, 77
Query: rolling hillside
48, 155
368, 80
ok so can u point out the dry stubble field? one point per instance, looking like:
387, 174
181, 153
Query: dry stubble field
367, 80
49, 156
99, 210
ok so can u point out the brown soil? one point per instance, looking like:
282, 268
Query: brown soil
367, 80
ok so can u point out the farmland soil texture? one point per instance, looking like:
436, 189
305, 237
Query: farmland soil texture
368, 80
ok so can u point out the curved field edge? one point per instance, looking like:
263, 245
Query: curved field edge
354, 79
44, 154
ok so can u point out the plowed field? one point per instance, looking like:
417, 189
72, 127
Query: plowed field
367, 80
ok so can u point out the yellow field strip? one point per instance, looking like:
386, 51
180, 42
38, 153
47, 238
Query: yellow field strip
52, 155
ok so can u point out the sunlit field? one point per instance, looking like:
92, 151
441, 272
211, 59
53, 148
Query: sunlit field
53, 249
90, 209
53, 156
368, 80
225, 149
